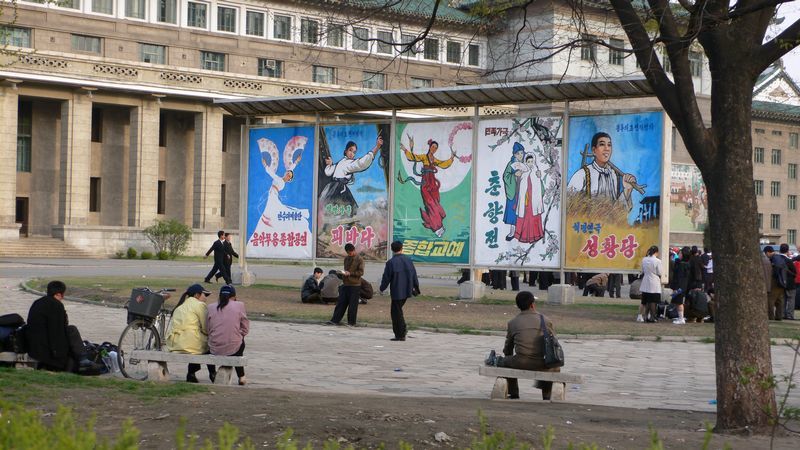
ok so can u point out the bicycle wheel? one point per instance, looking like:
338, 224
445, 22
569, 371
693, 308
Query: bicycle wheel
138, 335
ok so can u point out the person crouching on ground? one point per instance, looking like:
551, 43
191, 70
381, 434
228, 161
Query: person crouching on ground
310, 293
524, 348
187, 330
329, 287
596, 286
227, 326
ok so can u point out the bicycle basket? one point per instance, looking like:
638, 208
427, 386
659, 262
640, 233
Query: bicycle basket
145, 303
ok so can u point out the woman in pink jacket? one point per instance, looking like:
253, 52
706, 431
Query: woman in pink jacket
227, 326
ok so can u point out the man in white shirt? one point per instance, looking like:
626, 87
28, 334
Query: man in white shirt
600, 179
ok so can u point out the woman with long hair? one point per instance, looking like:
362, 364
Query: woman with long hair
227, 326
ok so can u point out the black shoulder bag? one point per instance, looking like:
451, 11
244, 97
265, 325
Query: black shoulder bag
553, 353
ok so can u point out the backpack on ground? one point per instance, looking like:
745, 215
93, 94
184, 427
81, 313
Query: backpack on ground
671, 311
12, 333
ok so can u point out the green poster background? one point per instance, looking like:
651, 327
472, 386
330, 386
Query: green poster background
421, 243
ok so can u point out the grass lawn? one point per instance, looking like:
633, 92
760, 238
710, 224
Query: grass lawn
438, 309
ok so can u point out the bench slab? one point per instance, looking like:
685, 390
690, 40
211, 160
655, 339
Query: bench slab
157, 369
20, 360
500, 388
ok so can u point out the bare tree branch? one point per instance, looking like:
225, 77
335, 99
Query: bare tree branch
743, 8
778, 46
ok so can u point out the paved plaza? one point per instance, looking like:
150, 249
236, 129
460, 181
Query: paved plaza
318, 358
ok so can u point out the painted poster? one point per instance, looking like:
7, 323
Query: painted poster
353, 200
687, 200
432, 190
280, 189
613, 190
518, 200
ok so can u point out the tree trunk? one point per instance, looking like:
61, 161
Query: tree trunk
745, 396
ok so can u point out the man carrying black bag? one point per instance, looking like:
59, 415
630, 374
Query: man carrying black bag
524, 348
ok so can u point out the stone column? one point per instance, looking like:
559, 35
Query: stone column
207, 168
76, 136
143, 167
9, 105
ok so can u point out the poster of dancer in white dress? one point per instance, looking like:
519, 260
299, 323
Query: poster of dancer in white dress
518, 200
280, 190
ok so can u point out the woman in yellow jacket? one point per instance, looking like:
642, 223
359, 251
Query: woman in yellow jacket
187, 331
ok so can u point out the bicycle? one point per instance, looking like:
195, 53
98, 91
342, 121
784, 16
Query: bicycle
147, 320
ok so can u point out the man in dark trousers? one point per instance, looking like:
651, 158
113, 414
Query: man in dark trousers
400, 273
229, 254
52, 341
351, 288
218, 247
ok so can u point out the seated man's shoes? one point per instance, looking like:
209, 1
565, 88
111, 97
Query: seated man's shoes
491, 359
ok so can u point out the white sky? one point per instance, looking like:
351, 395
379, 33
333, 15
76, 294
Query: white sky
792, 60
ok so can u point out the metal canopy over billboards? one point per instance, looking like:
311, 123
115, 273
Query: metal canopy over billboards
478, 95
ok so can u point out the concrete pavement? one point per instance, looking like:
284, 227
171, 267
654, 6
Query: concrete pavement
318, 358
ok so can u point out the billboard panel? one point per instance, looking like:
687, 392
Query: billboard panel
280, 189
613, 190
518, 199
687, 200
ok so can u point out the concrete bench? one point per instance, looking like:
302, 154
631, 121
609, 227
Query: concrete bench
559, 379
20, 360
157, 369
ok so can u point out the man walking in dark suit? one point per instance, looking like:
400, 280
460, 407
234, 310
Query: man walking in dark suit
218, 247
229, 254
400, 273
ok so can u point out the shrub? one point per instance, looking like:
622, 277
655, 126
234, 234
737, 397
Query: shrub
147, 255
162, 255
169, 236
119, 254
131, 253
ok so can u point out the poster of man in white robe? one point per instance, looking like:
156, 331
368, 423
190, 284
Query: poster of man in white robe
518, 200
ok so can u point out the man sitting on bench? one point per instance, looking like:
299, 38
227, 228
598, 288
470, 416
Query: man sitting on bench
524, 345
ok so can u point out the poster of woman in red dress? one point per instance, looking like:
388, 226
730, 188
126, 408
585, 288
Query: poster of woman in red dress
433, 215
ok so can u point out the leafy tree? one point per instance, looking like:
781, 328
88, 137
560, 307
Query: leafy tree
169, 236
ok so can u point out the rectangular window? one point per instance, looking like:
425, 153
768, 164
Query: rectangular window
791, 236
322, 74
430, 49
758, 155
775, 188
760, 220
385, 41
792, 171
162, 130
616, 57
270, 68
168, 11
360, 39
69, 4
24, 136
222, 201
16, 36
759, 131
775, 221
335, 35
97, 125
696, 63
255, 24
373, 80
776, 156
408, 39
196, 15
792, 202
154, 54
309, 31
94, 194
792, 136
226, 19
589, 48
162, 197
103, 6
777, 133
474, 58
282, 28
82, 43
454, 52
759, 185
135, 9
421, 83
212, 61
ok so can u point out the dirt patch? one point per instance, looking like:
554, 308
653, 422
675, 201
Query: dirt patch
264, 415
